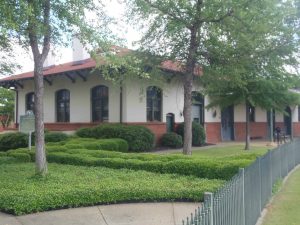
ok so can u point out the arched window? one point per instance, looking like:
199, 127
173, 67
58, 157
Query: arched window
197, 107
154, 103
170, 121
251, 113
63, 106
30, 101
99, 98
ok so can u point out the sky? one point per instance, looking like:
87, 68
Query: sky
114, 8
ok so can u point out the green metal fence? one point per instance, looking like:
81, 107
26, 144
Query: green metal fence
241, 200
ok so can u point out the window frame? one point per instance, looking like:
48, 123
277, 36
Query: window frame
252, 113
27, 102
156, 99
66, 102
102, 100
200, 103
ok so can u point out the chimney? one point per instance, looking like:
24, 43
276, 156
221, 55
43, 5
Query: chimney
79, 51
50, 60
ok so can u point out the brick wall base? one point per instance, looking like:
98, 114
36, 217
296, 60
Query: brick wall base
296, 129
258, 130
213, 132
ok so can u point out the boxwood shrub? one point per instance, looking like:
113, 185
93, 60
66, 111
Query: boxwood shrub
13, 141
204, 168
55, 137
171, 140
198, 133
139, 138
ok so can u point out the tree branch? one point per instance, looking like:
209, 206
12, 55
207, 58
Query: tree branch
167, 12
47, 33
33, 40
217, 20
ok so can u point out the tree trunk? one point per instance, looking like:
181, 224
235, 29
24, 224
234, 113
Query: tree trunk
188, 86
187, 113
40, 154
39, 59
247, 146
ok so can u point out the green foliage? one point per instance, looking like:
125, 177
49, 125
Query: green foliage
171, 140
85, 132
70, 186
7, 103
183, 165
20, 157
55, 137
113, 144
13, 141
198, 133
138, 138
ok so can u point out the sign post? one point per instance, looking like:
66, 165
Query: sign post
27, 125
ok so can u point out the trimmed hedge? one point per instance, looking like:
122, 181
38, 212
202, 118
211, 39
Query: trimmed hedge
139, 138
198, 133
179, 164
113, 144
13, 141
55, 137
211, 169
171, 140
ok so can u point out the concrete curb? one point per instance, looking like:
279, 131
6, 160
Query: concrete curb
265, 210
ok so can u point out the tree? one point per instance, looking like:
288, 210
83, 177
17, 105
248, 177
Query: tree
38, 24
187, 31
252, 63
7, 102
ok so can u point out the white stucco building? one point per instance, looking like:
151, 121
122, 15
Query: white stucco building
76, 97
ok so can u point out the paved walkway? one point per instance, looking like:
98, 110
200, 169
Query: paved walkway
118, 214
219, 145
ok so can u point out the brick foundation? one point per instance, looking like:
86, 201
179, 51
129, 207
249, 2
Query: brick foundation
68, 126
213, 132
258, 130
296, 129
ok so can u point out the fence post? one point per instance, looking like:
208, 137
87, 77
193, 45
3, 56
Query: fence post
242, 172
280, 161
260, 182
271, 171
208, 197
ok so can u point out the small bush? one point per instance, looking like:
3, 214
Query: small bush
85, 132
138, 138
198, 133
171, 140
55, 137
115, 144
20, 157
13, 141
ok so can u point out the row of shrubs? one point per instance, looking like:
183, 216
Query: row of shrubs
175, 140
20, 140
183, 165
112, 144
139, 138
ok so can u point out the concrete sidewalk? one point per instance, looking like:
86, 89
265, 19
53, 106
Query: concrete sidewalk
118, 214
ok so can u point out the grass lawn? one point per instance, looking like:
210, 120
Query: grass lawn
71, 186
231, 150
285, 208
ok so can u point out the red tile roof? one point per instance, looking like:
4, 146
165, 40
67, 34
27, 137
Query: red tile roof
90, 64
